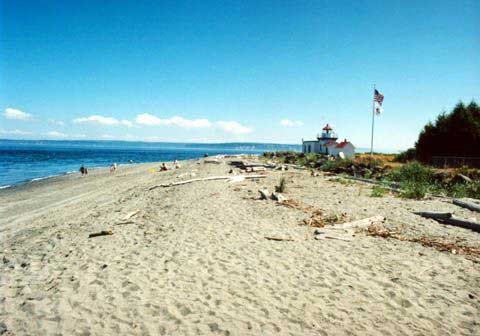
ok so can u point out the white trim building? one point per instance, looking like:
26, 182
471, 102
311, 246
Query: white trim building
327, 144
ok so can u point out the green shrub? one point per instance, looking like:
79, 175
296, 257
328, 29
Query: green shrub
414, 190
378, 191
412, 172
308, 160
471, 190
369, 162
406, 156
337, 164
415, 179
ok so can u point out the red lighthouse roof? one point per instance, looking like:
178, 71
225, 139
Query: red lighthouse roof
327, 128
342, 144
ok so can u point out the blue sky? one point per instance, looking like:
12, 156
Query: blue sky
270, 71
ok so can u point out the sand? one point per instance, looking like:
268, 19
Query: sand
194, 260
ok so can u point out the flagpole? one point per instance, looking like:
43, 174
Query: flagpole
373, 120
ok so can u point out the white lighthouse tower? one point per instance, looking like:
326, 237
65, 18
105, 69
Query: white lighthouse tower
327, 135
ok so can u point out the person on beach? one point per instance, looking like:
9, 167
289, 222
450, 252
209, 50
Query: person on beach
163, 167
113, 167
83, 170
176, 164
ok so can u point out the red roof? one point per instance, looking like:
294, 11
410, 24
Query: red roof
342, 144
327, 128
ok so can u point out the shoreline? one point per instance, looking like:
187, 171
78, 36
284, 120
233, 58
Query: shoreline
32, 182
96, 168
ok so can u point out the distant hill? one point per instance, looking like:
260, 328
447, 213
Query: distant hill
247, 146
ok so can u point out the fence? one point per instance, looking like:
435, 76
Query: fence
455, 161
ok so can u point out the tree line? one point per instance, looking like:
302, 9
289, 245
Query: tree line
456, 133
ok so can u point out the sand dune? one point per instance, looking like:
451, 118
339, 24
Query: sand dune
195, 260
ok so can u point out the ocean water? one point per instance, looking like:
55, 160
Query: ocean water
22, 161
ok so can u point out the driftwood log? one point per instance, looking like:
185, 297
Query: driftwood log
322, 237
277, 197
263, 194
279, 239
468, 205
434, 215
101, 233
211, 178
130, 215
359, 223
395, 187
215, 161
449, 219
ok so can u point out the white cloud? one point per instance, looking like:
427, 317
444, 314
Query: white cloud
127, 123
233, 127
97, 119
15, 132
11, 113
56, 134
56, 122
151, 120
291, 123
148, 119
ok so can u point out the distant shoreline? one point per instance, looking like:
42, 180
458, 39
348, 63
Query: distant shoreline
195, 144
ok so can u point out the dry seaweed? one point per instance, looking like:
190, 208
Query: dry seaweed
294, 204
437, 243
316, 219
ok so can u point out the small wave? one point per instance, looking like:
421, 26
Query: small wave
5, 186
41, 178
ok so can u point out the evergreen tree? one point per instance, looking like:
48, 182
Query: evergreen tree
453, 134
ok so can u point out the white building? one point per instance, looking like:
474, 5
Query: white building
327, 144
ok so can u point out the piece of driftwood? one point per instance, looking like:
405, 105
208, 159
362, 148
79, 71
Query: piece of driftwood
125, 223
263, 194
360, 223
130, 215
101, 233
464, 178
215, 161
322, 237
277, 197
426, 269
453, 221
467, 205
253, 165
434, 215
279, 239
211, 178
235, 179
395, 187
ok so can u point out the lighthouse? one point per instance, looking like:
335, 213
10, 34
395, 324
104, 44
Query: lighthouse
327, 144
327, 134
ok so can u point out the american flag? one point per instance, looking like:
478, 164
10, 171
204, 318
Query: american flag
378, 97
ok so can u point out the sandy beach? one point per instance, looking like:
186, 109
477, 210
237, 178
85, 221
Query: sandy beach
193, 259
